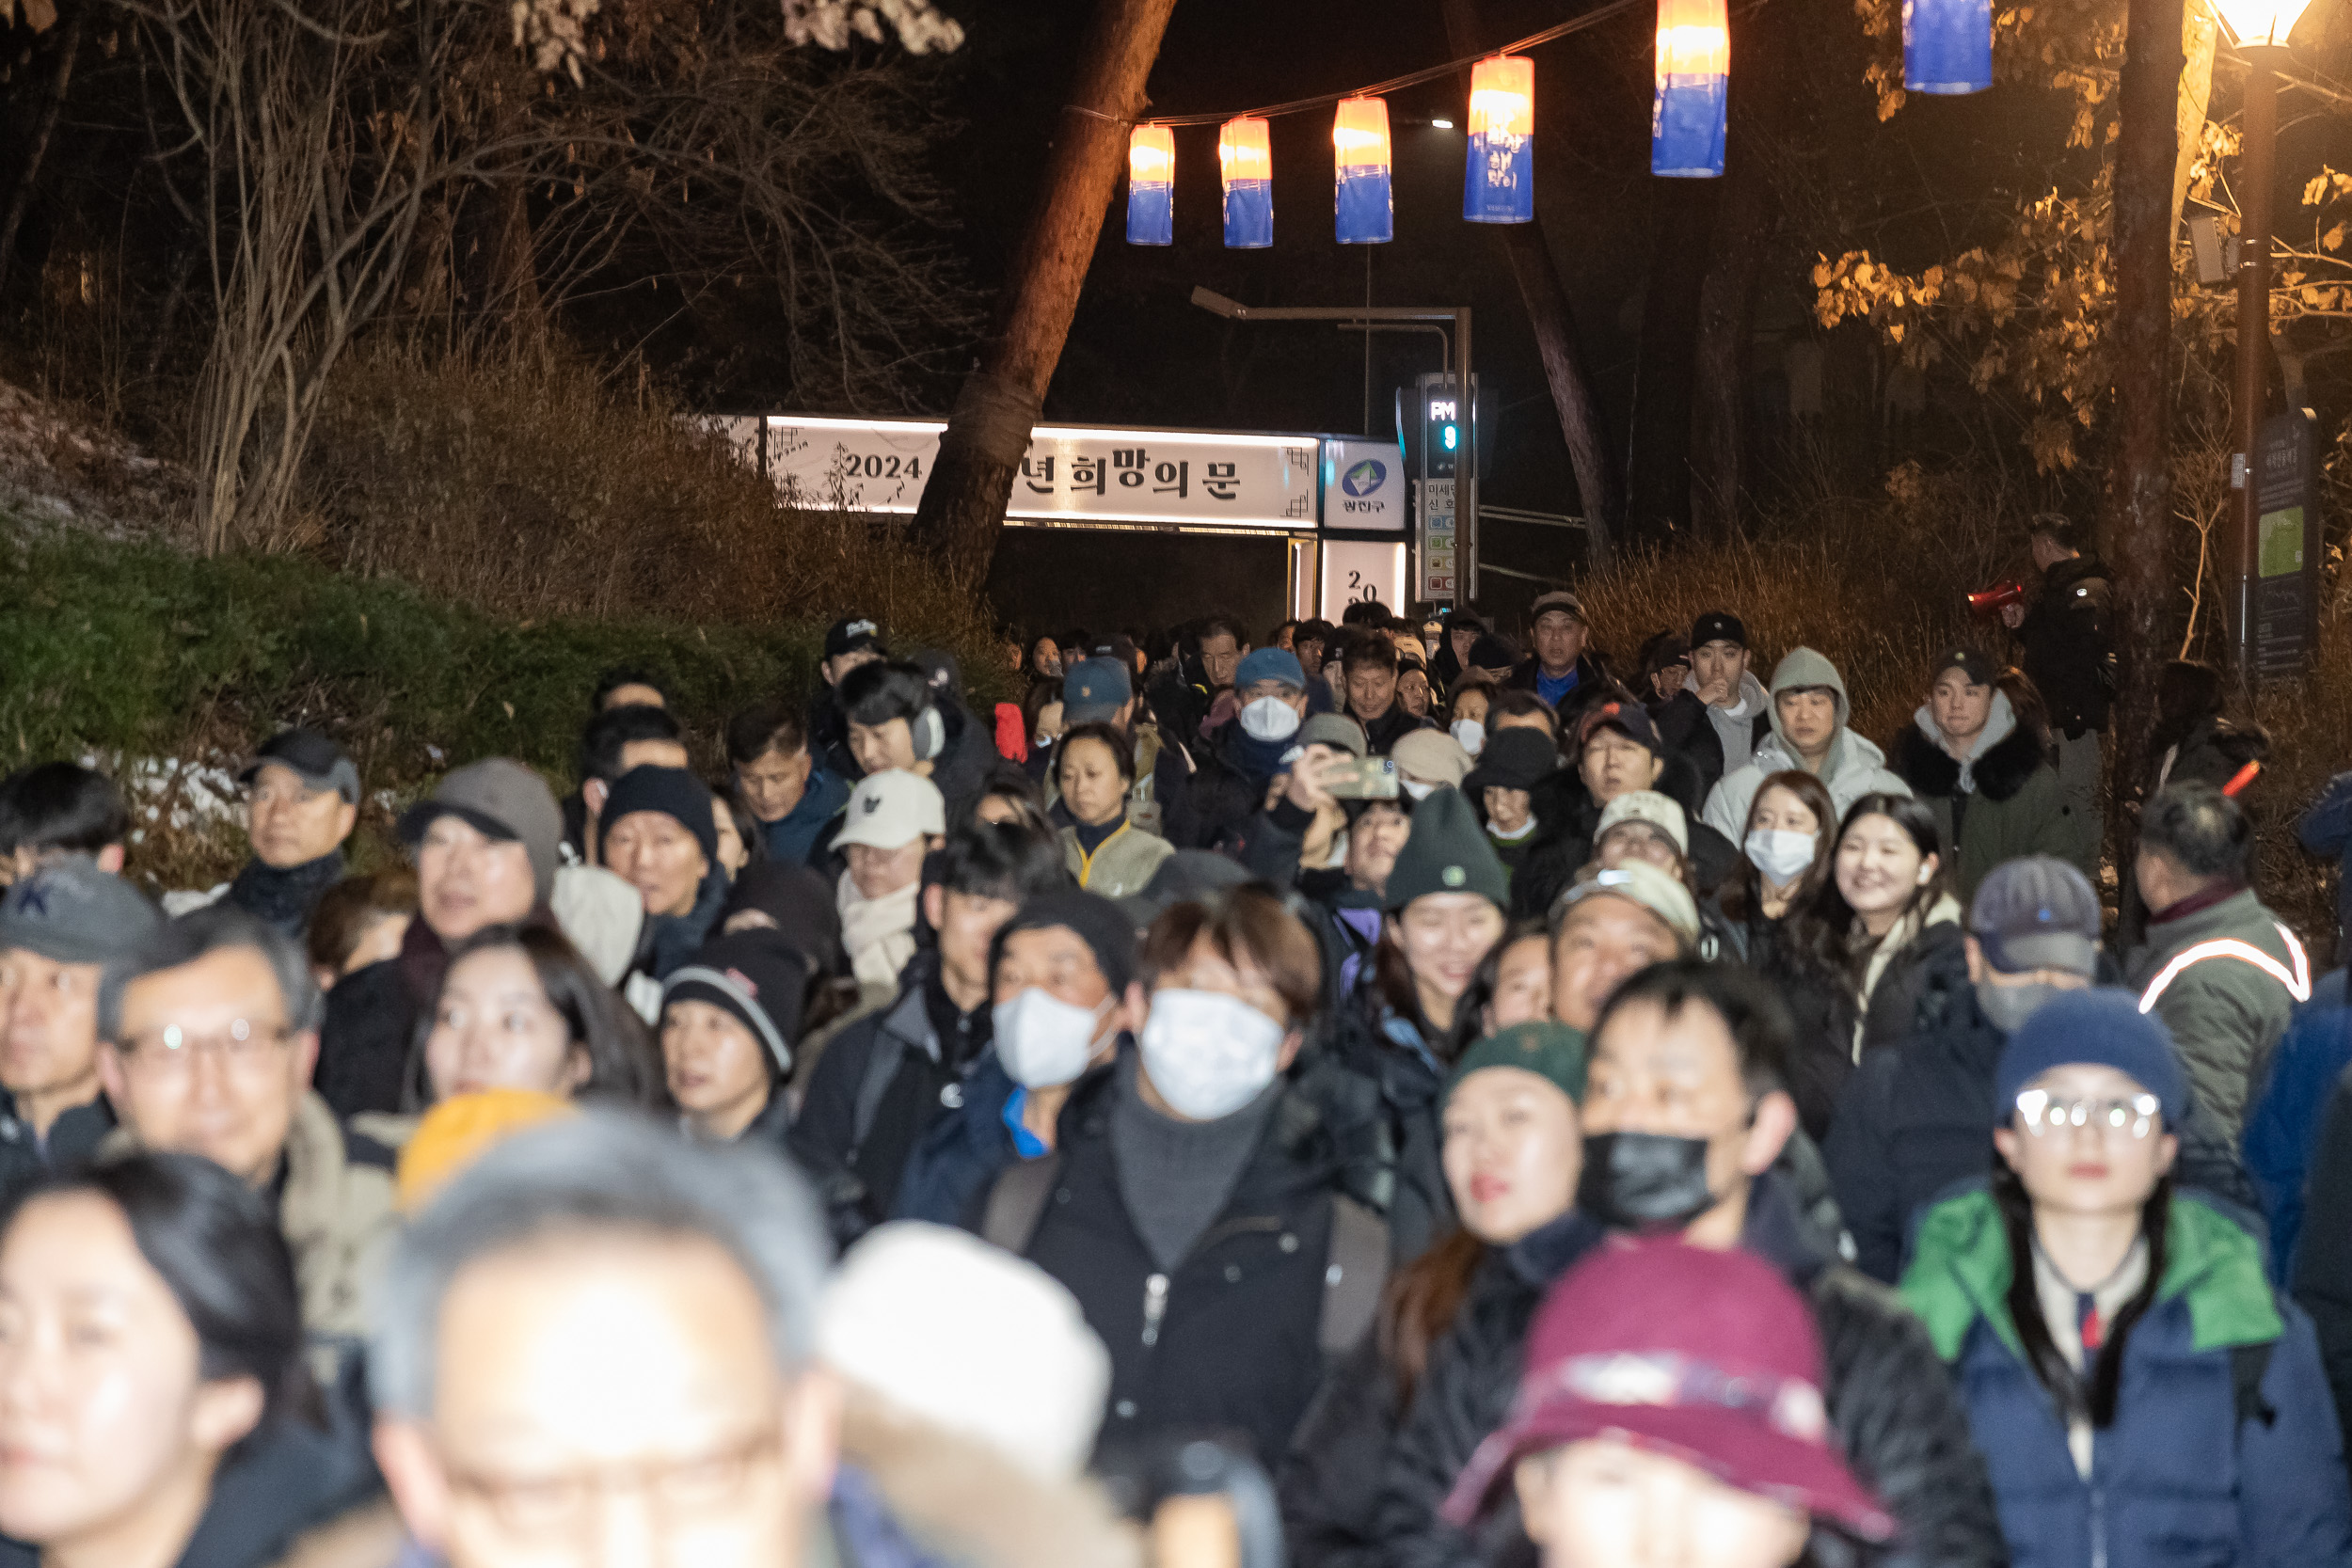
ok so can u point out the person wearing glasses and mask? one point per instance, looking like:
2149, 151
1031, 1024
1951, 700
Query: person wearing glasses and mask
208, 1033
2140, 1393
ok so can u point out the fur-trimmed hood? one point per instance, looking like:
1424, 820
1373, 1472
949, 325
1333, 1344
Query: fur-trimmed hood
1932, 772
962, 1501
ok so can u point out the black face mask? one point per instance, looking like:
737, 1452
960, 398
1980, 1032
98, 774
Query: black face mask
1643, 1182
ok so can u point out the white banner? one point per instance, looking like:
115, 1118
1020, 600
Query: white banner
1183, 477
1355, 570
1364, 485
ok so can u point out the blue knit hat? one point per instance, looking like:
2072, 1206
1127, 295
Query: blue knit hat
1270, 664
2102, 1027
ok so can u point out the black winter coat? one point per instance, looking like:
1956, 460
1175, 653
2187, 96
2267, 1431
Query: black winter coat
1362, 1038
1914, 1118
1382, 733
2323, 1257
2066, 649
365, 1039
1344, 918
1566, 817
1821, 1017
1234, 1346
1592, 681
1684, 725
1900, 1422
1330, 1484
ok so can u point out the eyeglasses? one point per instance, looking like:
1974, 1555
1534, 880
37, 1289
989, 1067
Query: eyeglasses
2044, 1113
677, 1489
173, 1050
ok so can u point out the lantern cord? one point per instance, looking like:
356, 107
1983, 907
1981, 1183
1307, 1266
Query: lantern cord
1301, 105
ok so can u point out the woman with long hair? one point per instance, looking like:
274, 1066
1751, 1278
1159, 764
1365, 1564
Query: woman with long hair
1512, 1152
2140, 1393
156, 1404
519, 1009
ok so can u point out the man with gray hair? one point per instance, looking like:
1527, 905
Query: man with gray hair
593, 1347
209, 1031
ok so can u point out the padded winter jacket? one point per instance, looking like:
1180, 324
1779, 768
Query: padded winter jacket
2193, 1472
1854, 768
2283, 1125
2225, 979
2016, 809
1897, 1421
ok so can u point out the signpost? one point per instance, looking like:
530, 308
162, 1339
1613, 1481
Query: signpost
2286, 544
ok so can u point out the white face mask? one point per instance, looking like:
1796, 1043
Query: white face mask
1781, 855
1269, 719
1208, 1053
1042, 1041
1471, 734
1415, 788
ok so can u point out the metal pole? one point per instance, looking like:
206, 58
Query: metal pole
1466, 475
2253, 330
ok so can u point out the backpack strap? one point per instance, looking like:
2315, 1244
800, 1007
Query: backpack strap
1358, 1268
1017, 1203
2249, 1365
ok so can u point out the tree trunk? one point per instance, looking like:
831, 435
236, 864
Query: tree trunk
1746, 218
1548, 315
30, 173
963, 509
2139, 489
1658, 463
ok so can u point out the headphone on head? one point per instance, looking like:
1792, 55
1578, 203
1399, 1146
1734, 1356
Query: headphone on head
929, 731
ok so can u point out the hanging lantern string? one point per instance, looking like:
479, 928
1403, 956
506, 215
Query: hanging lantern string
1301, 105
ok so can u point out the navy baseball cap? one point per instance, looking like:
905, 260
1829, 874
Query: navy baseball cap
1270, 664
1094, 690
310, 756
852, 634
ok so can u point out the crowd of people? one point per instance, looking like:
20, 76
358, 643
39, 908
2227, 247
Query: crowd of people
1383, 1095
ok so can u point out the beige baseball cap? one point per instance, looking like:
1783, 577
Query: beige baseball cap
1646, 805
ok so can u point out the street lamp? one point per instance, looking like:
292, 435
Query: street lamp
2259, 29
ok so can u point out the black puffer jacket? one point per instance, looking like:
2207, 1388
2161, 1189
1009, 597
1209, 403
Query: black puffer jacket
1897, 1418
1369, 1039
1566, 816
1914, 1118
2067, 652
1330, 1484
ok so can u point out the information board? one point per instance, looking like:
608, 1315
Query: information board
2287, 544
1363, 485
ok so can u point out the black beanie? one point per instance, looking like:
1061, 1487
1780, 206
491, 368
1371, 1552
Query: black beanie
753, 974
1106, 929
1521, 757
1447, 852
671, 791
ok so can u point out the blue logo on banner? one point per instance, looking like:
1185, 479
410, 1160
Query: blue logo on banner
1364, 477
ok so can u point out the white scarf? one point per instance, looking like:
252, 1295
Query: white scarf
878, 933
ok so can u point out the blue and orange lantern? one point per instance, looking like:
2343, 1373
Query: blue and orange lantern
1498, 184
1687, 116
1948, 46
1361, 149
1152, 186
1247, 162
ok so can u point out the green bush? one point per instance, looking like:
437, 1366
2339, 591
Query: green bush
138, 649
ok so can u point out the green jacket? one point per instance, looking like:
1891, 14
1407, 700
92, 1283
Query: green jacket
1960, 1272
2016, 809
1122, 866
2225, 980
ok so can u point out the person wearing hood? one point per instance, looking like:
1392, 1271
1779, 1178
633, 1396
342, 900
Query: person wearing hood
1241, 756
487, 845
1197, 1201
302, 800
1447, 897
1723, 712
1561, 671
1502, 790
658, 834
1684, 1119
1809, 731
729, 1017
1059, 1009
1994, 795
2140, 1392
1911, 1120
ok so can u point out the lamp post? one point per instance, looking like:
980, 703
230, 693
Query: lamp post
2258, 29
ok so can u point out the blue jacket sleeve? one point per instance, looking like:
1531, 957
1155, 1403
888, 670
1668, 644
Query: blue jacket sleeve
2326, 825
2283, 1125
1861, 1168
2295, 1505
